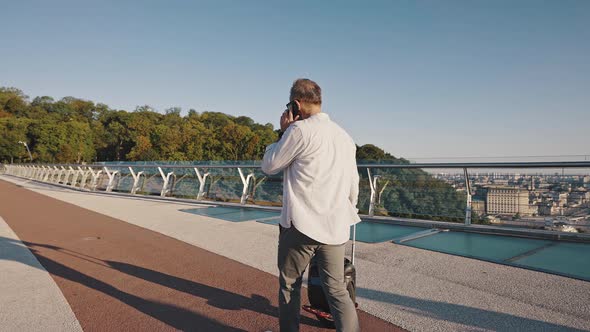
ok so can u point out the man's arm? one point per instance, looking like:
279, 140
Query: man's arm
281, 154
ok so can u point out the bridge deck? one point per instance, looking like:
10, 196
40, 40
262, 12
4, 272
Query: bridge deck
117, 276
183, 271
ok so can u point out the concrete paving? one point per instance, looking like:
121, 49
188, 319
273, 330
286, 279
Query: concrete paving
416, 289
31, 301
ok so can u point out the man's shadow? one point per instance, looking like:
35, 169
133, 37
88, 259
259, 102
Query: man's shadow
177, 317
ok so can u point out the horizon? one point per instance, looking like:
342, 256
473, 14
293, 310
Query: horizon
433, 80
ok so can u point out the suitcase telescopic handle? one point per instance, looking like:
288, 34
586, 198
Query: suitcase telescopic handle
353, 243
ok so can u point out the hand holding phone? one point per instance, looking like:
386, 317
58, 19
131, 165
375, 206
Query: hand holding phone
294, 108
290, 115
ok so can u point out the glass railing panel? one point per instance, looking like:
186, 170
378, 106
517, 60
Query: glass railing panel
266, 189
150, 182
185, 183
223, 185
414, 193
102, 181
548, 199
364, 197
123, 181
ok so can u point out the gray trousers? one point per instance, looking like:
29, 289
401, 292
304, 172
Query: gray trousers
295, 252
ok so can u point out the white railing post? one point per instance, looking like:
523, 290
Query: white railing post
245, 182
59, 171
373, 186
74, 175
111, 177
202, 180
63, 172
56, 174
468, 203
166, 179
136, 178
95, 176
84, 177
36, 172
39, 172
46, 174
79, 172
68, 175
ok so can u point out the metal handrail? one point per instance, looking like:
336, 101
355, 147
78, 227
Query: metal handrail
548, 164
559, 164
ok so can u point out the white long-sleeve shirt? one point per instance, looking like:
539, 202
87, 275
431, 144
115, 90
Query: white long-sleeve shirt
320, 180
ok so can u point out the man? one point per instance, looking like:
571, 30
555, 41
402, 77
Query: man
320, 192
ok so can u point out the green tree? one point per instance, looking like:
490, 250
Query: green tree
13, 130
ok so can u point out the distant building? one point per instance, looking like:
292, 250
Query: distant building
508, 201
479, 207
560, 198
548, 209
500, 182
577, 198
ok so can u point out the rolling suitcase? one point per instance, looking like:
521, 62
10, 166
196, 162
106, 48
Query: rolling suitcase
318, 304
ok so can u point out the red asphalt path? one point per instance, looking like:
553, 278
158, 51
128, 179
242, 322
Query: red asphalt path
118, 277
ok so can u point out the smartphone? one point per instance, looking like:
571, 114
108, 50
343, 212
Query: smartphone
294, 109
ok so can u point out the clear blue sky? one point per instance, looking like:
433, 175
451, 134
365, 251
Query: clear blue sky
418, 78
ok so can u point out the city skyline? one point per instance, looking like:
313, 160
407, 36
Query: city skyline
420, 80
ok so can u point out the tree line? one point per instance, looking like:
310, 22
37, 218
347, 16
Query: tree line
73, 130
